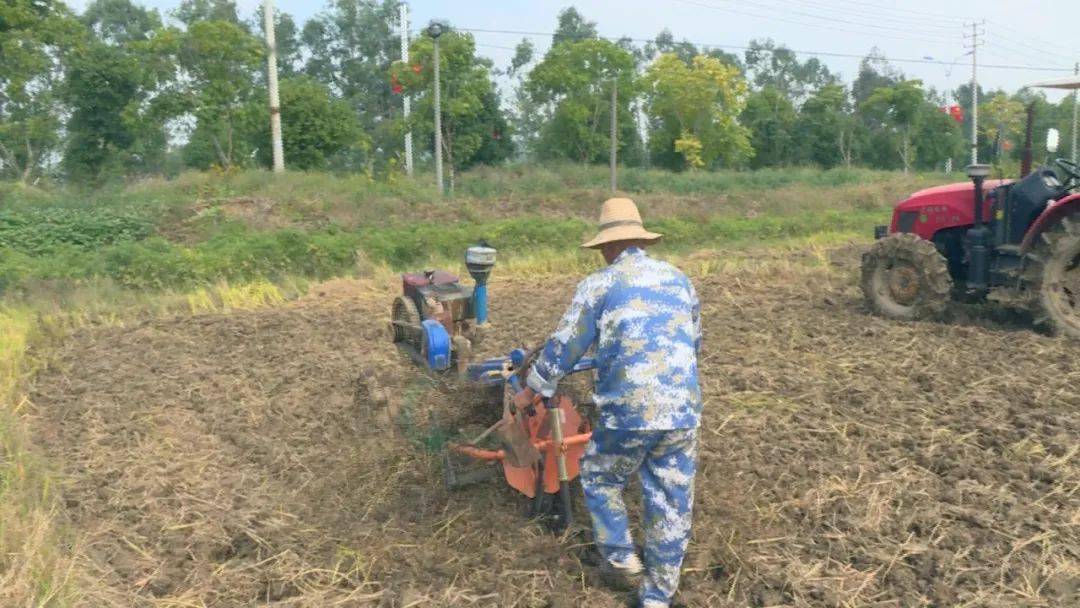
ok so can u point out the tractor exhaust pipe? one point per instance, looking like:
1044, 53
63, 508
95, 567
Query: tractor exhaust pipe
978, 273
1026, 159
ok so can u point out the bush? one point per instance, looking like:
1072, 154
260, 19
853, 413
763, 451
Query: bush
154, 263
41, 231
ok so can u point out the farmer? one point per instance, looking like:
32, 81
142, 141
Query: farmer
643, 317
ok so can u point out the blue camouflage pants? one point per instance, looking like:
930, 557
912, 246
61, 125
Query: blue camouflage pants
665, 462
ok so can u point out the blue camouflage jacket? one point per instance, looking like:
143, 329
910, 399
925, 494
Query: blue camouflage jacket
644, 319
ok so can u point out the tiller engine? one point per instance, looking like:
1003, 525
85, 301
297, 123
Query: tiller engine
437, 319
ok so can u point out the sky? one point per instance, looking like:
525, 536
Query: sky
1031, 33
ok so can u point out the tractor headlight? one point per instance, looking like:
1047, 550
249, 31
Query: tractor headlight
1051, 181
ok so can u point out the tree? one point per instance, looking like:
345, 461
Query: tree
898, 108
770, 117
316, 128
939, 137
192, 11
826, 131
875, 72
34, 36
665, 43
778, 67
694, 110
108, 85
350, 47
572, 90
216, 63
1000, 117
474, 129
572, 27
102, 81
525, 113
120, 22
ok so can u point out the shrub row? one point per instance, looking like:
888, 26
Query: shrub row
45, 230
155, 263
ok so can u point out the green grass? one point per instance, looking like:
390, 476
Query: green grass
205, 227
305, 200
242, 254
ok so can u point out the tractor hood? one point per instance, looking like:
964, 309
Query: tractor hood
962, 190
942, 207
959, 195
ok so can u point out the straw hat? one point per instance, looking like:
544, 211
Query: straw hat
620, 221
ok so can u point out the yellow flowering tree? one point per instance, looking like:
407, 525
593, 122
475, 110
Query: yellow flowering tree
693, 110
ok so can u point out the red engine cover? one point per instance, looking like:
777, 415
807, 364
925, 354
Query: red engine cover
420, 279
942, 207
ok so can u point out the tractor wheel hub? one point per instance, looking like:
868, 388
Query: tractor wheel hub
903, 283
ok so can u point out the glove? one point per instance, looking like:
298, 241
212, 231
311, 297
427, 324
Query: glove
538, 384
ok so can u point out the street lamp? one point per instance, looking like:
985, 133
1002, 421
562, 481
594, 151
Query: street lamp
436, 29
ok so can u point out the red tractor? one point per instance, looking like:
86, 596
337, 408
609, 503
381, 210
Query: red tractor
1019, 245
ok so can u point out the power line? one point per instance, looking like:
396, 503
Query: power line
774, 18
994, 49
830, 19
858, 9
1069, 53
494, 46
922, 22
908, 22
923, 14
798, 52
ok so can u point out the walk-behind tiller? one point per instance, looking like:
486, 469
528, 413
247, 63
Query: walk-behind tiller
540, 441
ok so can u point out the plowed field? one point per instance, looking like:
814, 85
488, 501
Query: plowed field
235, 460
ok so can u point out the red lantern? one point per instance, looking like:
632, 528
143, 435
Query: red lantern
395, 86
957, 113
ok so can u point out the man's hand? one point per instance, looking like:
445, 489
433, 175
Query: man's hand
525, 398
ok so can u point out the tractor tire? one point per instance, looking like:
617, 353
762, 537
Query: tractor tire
905, 277
1052, 275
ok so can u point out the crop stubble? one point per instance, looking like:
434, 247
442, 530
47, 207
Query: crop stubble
846, 460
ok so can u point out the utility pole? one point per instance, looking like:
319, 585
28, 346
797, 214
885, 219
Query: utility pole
271, 79
405, 98
1076, 94
975, 44
614, 133
435, 29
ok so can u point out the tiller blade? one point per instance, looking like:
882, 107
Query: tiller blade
516, 443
